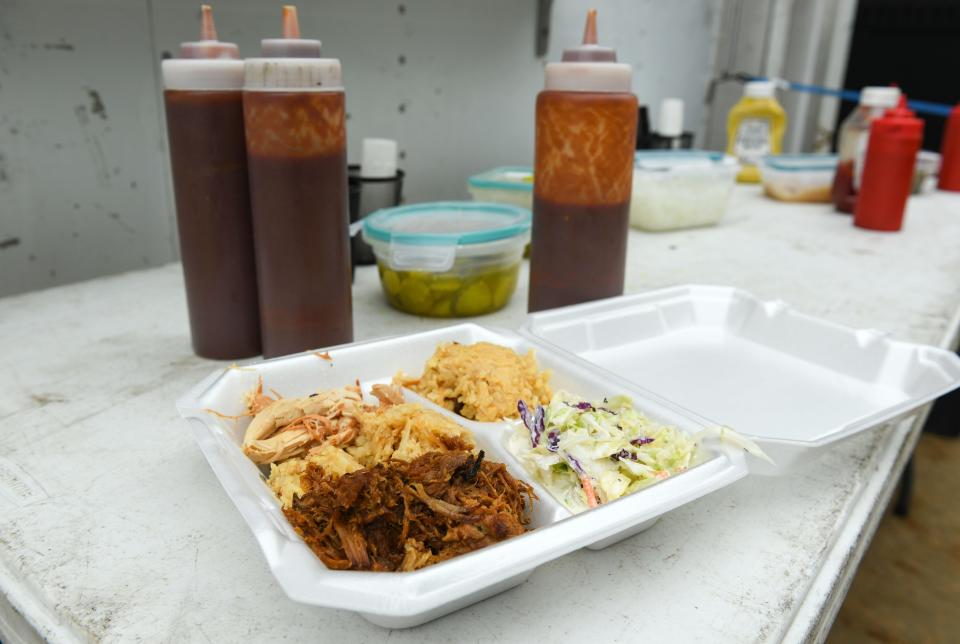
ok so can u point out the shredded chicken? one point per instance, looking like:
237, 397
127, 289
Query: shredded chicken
400, 516
481, 381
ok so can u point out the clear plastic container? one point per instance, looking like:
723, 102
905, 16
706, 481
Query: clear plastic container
852, 143
512, 184
674, 189
798, 177
449, 259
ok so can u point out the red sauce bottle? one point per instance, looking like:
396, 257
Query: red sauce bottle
950, 151
208, 162
888, 169
583, 173
293, 104
852, 144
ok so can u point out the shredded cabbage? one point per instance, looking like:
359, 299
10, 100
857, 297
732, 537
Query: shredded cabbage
587, 453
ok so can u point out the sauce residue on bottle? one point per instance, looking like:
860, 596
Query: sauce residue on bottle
208, 161
296, 145
584, 173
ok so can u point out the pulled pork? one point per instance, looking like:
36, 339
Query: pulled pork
401, 516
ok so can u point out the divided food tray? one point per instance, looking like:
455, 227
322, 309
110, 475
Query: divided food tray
401, 599
794, 383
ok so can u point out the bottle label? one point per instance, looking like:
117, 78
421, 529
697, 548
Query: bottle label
861, 153
752, 140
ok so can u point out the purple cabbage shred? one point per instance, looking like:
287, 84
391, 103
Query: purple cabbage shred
553, 440
641, 441
624, 455
534, 422
575, 464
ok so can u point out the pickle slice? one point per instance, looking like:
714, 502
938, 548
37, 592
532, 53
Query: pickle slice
475, 299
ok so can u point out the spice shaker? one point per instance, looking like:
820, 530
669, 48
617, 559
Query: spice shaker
586, 123
293, 103
208, 162
375, 183
670, 134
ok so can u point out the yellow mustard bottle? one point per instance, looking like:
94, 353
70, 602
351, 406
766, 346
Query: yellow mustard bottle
755, 128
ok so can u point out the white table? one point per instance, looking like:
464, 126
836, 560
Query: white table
113, 527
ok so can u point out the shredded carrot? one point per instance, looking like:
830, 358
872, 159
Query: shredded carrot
589, 491
323, 356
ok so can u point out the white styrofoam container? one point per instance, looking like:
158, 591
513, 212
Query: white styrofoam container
795, 383
404, 599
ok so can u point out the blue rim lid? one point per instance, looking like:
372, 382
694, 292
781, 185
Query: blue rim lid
677, 155
801, 162
508, 177
447, 223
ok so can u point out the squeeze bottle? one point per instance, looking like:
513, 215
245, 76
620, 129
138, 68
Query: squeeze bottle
755, 128
293, 104
852, 144
950, 165
586, 123
888, 167
208, 162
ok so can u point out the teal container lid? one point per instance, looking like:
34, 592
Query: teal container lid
447, 223
508, 177
641, 157
801, 162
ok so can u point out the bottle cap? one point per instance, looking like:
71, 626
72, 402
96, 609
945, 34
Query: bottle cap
292, 62
378, 159
759, 89
899, 122
671, 117
589, 51
879, 96
589, 67
208, 46
291, 45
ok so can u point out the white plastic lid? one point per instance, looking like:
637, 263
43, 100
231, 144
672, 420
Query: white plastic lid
759, 89
589, 67
202, 73
880, 96
378, 159
671, 117
318, 74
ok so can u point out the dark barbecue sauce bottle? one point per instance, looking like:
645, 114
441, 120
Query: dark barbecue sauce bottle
208, 161
293, 103
583, 173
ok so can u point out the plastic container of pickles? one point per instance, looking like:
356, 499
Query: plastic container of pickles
448, 259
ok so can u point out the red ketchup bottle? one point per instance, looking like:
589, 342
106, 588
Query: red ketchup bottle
888, 169
950, 166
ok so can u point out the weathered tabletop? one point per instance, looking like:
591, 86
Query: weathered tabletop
113, 527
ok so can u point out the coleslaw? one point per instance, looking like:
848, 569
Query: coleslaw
591, 452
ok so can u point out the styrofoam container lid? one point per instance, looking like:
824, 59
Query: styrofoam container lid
430, 236
512, 177
793, 382
801, 162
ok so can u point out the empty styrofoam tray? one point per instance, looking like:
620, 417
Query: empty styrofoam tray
794, 383
402, 599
